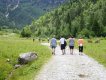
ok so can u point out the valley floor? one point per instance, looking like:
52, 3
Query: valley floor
71, 67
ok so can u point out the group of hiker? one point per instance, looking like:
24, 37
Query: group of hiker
63, 44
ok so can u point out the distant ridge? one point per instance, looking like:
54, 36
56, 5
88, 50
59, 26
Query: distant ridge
22, 12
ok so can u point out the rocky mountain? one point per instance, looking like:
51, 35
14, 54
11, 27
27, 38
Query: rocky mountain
21, 12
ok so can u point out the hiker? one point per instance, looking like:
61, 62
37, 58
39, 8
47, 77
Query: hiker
33, 39
39, 39
48, 40
63, 45
71, 44
80, 44
53, 44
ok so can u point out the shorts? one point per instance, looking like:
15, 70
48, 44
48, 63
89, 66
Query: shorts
53, 46
62, 46
71, 47
80, 48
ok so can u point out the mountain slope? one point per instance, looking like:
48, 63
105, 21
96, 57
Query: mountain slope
22, 12
80, 18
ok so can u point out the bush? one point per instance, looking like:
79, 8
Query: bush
86, 33
26, 32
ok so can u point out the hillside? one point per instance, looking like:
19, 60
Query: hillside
21, 12
78, 18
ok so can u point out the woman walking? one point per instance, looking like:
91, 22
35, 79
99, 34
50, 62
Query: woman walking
63, 45
80, 44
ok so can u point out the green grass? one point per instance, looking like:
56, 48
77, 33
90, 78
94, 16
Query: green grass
10, 48
97, 51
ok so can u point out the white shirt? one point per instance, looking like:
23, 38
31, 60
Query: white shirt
62, 40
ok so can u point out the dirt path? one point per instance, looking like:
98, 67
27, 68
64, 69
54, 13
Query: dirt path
71, 67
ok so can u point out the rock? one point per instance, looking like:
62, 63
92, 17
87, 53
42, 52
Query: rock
24, 58
17, 66
82, 75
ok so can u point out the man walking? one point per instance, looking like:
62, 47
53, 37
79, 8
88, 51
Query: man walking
62, 45
53, 44
71, 44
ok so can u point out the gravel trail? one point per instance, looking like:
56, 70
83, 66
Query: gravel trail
71, 67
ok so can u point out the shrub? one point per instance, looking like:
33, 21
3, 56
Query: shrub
26, 32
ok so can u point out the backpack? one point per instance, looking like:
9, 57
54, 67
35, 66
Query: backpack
65, 43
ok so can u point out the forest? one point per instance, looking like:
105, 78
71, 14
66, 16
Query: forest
84, 18
18, 13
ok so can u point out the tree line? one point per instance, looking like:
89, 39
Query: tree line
85, 18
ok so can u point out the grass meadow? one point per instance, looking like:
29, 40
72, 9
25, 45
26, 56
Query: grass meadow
96, 50
11, 47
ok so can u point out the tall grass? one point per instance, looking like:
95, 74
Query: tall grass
97, 51
10, 48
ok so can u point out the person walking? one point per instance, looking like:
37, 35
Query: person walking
53, 44
63, 45
33, 39
71, 44
48, 40
80, 44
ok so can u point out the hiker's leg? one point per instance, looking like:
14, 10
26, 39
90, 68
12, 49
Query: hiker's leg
79, 50
72, 51
62, 52
54, 51
62, 48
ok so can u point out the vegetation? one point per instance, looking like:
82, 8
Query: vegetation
10, 48
97, 50
17, 13
86, 18
78, 18
8, 32
26, 32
